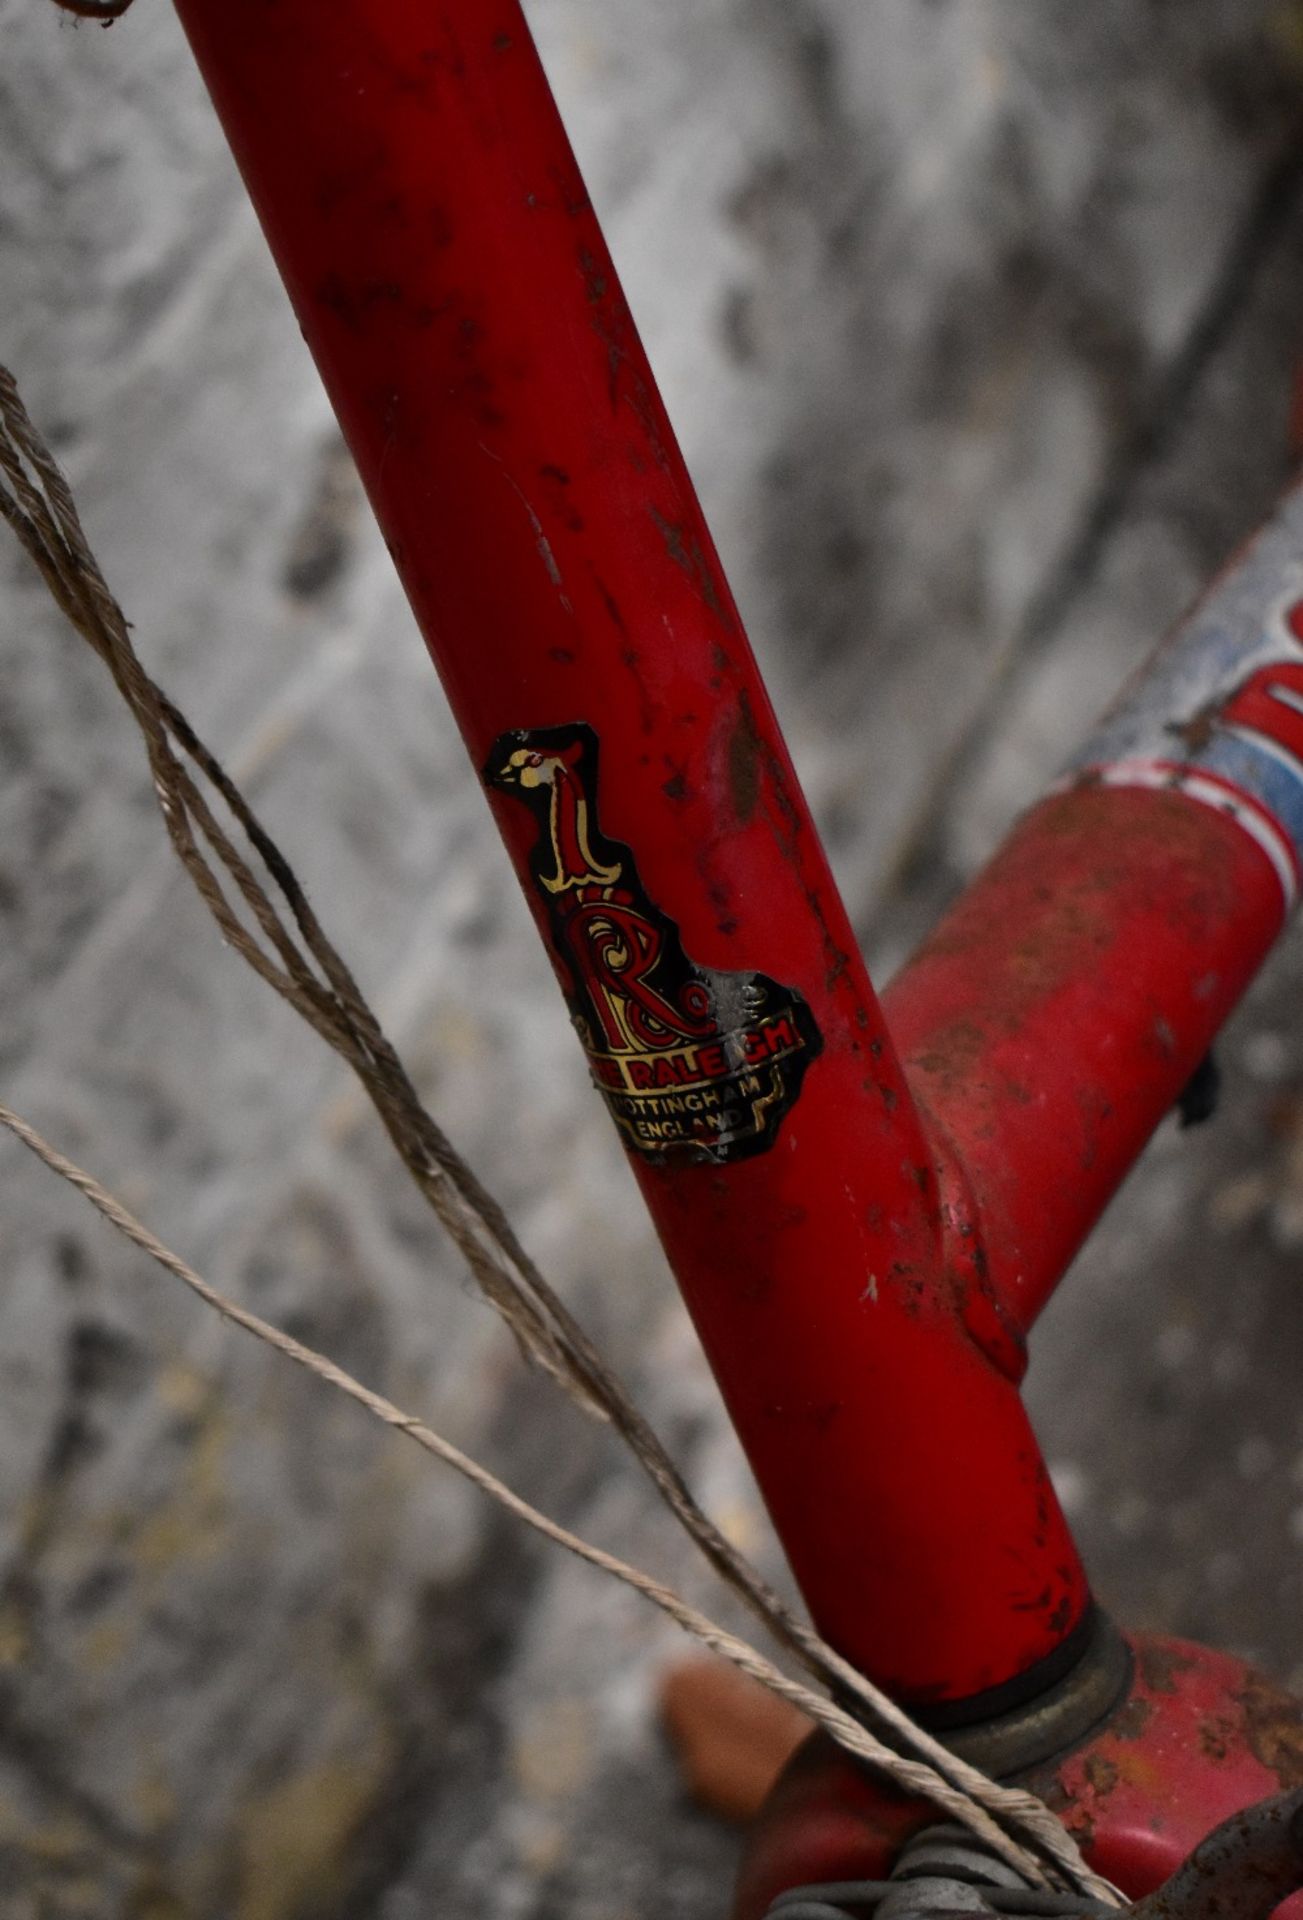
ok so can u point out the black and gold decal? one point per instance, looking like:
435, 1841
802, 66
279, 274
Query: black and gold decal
694, 1063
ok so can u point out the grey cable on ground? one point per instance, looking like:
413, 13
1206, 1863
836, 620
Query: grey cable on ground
295, 957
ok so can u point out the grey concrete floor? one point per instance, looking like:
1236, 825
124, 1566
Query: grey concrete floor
979, 322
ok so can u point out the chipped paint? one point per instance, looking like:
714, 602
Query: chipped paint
1273, 1728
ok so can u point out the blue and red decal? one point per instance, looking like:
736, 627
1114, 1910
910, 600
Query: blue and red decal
1217, 715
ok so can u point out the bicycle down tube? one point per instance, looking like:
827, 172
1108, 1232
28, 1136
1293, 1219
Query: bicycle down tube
863, 1214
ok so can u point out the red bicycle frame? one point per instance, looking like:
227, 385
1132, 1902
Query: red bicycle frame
865, 1205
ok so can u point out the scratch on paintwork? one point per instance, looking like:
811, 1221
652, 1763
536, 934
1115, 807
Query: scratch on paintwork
611, 604
545, 551
542, 544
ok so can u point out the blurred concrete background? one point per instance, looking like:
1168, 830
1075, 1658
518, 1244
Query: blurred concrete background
978, 320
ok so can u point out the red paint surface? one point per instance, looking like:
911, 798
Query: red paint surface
1055, 1015
422, 202
858, 1286
1199, 1736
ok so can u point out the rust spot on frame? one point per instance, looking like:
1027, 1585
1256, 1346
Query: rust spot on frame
687, 554
1273, 1728
1160, 1665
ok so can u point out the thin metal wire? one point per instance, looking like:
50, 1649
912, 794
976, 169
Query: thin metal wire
296, 958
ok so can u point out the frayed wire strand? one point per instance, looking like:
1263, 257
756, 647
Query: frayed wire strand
321, 988
849, 1734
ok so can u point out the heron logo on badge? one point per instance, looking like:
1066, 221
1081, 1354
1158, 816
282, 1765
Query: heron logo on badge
695, 1064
